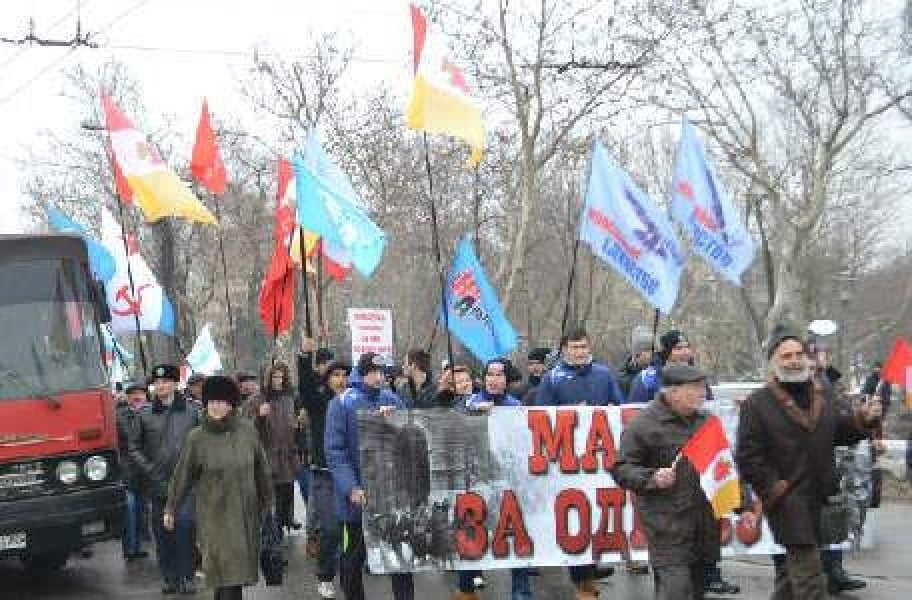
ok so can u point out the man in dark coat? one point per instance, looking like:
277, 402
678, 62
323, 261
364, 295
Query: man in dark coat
639, 359
419, 390
786, 434
323, 530
154, 446
680, 527
536, 365
134, 401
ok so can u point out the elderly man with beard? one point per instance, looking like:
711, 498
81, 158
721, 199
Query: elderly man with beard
786, 435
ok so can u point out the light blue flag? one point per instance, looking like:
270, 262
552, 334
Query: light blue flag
627, 230
473, 311
700, 205
204, 357
100, 260
329, 207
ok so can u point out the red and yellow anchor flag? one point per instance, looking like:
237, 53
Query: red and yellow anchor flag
710, 454
441, 100
157, 190
207, 165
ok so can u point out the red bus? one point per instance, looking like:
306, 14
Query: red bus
60, 487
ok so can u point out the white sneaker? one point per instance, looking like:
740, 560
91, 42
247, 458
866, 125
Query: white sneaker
326, 589
479, 582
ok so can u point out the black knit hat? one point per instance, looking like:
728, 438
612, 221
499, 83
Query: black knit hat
323, 355
778, 335
196, 378
370, 361
219, 387
539, 354
669, 340
135, 387
338, 365
243, 376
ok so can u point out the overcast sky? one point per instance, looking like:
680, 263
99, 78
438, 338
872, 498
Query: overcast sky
179, 51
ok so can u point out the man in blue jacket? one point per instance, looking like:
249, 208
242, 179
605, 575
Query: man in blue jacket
577, 379
342, 457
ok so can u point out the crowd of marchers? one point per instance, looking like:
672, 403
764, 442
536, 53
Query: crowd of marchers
209, 464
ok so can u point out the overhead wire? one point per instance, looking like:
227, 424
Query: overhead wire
27, 83
53, 26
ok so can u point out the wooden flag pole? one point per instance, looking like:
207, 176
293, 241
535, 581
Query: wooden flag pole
435, 236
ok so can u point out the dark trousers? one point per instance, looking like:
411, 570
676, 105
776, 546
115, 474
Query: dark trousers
284, 503
581, 573
234, 592
679, 582
801, 576
322, 506
174, 548
351, 567
134, 523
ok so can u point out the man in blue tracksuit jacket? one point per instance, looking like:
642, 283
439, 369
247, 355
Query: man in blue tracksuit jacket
494, 393
342, 457
577, 379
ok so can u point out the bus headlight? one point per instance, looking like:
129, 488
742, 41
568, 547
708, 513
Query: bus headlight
68, 472
96, 468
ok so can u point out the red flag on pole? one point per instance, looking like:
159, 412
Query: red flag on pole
894, 369
207, 165
278, 290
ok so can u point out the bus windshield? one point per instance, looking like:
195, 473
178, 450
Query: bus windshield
51, 340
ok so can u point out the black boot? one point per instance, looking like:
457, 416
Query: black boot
170, 586
838, 580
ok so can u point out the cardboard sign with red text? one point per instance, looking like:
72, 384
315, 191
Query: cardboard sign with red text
371, 331
521, 487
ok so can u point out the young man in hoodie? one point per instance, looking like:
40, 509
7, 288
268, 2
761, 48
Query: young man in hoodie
494, 393
342, 456
578, 380
316, 391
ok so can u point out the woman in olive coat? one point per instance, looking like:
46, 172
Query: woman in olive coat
224, 462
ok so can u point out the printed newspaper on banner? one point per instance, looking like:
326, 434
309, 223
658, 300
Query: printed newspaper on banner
371, 331
520, 487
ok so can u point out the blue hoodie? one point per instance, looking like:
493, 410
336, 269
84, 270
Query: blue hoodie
341, 441
647, 384
593, 384
472, 402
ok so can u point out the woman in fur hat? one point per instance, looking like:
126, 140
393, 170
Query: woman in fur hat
223, 461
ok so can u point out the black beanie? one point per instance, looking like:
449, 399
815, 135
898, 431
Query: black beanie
669, 340
219, 387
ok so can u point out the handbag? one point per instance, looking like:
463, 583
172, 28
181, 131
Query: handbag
272, 562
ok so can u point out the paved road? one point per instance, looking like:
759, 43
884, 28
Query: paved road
887, 568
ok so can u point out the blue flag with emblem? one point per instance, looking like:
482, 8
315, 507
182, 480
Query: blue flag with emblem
100, 260
700, 205
474, 313
329, 207
627, 230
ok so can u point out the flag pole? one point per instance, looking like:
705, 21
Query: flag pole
221, 243
318, 292
308, 328
139, 341
655, 329
570, 280
435, 236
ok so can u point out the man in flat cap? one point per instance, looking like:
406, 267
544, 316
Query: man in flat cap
195, 390
786, 434
154, 445
681, 530
249, 385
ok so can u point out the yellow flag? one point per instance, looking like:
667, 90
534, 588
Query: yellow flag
310, 242
441, 100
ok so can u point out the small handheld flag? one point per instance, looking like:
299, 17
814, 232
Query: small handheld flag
710, 454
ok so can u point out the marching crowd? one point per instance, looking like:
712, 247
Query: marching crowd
207, 465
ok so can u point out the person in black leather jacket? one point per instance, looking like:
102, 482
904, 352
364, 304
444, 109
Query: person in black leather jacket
154, 444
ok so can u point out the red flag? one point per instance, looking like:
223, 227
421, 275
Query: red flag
207, 165
121, 186
277, 292
894, 369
